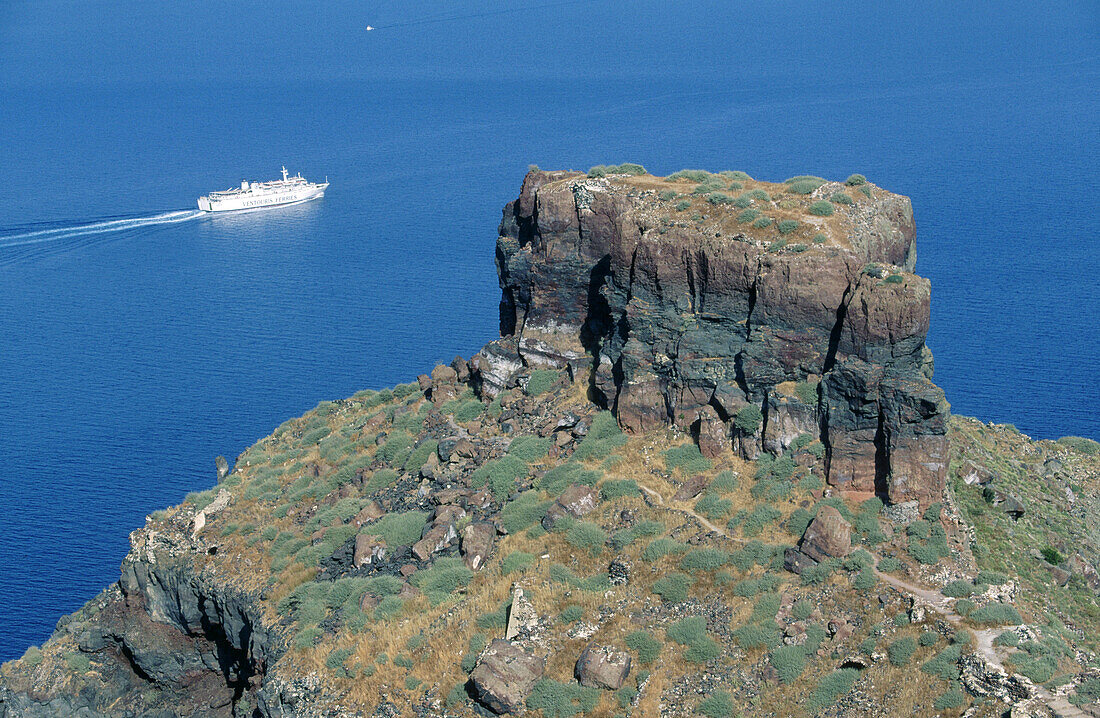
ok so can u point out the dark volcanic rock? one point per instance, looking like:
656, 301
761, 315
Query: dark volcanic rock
602, 667
666, 323
827, 536
504, 677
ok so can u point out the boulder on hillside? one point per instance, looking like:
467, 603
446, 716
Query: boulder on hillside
690, 488
576, 501
477, 544
827, 536
504, 676
714, 434
602, 667
436, 538
368, 549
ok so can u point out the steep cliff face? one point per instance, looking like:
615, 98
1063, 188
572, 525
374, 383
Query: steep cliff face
667, 317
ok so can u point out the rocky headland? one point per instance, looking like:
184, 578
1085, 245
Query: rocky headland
704, 470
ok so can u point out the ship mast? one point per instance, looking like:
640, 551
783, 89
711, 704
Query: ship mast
284, 173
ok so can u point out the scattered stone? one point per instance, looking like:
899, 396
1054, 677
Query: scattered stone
602, 667
504, 676
576, 501
903, 513
796, 562
618, 572
982, 678
714, 438
371, 512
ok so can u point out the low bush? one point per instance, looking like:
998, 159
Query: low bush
866, 190
944, 664
928, 638
820, 238
446, 575
762, 222
889, 564
78, 662
758, 635
717, 198
704, 559
603, 437
724, 482
526, 509
588, 536
687, 458
805, 186
672, 587
571, 614
562, 700
718, 704
992, 578
713, 506
683, 204
748, 419
401, 529
1051, 555
820, 573
748, 216
627, 168
645, 645
840, 198
501, 475
855, 180
692, 632
1039, 669
530, 448
958, 589
822, 208
617, 488
540, 381
1081, 444
996, 613
689, 176
787, 226
901, 650
831, 687
517, 561
558, 478
668, 195
951, 699
788, 662
894, 279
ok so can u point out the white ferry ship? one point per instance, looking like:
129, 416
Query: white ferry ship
255, 195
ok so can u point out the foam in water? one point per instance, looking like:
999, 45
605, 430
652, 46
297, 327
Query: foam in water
79, 230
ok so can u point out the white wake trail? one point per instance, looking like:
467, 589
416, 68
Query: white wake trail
79, 230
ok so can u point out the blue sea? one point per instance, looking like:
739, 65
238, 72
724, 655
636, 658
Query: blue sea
138, 339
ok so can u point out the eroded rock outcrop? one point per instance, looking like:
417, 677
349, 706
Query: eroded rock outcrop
664, 319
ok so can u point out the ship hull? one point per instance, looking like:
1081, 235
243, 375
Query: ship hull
263, 201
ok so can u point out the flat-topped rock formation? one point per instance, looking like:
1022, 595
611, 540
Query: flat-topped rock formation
683, 306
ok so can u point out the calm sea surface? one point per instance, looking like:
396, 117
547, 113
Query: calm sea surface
138, 341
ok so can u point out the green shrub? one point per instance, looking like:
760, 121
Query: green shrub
992, 578
806, 186
820, 238
603, 437
958, 589
645, 645
866, 190
562, 700
517, 561
420, 455
802, 609
336, 658
1051, 555
823, 208
855, 180
757, 194
704, 559
944, 664
1081, 444
558, 478
756, 635
571, 614
530, 448
901, 650
748, 419
682, 205
668, 195
402, 529
524, 510
627, 168
742, 202
32, 657
1006, 638
929, 638
894, 279
820, 573
687, 458
713, 506
541, 381
501, 475
724, 482
787, 226
951, 699
840, 198
762, 222
617, 488
446, 575
889, 564
672, 587
759, 518
1087, 692
996, 613
717, 198
788, 662
78, 662
806, 392
689, 176
748, 216
1039, 669
831, 687
692, 632
777, 245
585, 535
718, 704
864, 580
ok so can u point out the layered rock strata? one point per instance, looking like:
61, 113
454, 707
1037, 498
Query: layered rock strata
686, 323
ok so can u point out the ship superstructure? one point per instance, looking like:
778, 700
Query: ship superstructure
257, 195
